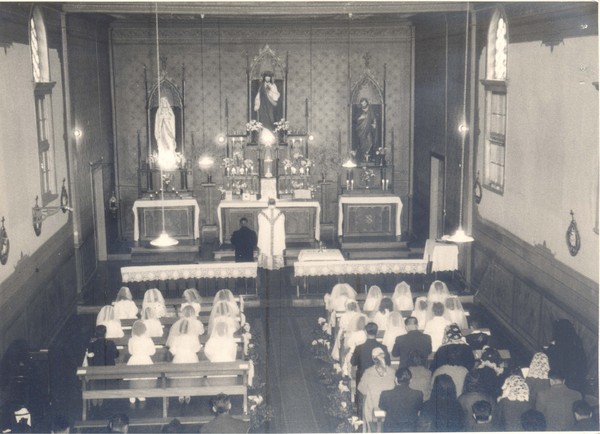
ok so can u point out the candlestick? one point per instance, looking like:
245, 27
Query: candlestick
347, 184
352, 184
383, 184
387, 183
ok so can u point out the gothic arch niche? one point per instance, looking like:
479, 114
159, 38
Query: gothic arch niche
367, 116
175, 99
267, 61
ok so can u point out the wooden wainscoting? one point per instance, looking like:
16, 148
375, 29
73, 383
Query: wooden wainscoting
526, 289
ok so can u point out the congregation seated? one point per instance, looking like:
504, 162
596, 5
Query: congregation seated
101, 351
414, 340
350, 316
483, 417
380, 316
340, 293
394, 327
154, 300
454, 370
194, 325
402, 297
192, 298
513, 402
455, 313
556, 402
492, 370
375, 380
223, 421
153, 325
125, 307
184, 345
374, 297
420, 375
536, 376
221, 347
141, 349
436, 326
107, 318
354, 336
362, 354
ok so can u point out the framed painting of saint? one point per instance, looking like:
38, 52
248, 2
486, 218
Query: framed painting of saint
367, 131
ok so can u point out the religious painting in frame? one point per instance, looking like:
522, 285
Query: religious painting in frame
367, 117
267, 88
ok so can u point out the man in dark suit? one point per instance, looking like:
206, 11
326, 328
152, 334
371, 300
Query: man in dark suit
413, 340
401, 404
362, 356
556, 403
223, 421
244, 240
101, 351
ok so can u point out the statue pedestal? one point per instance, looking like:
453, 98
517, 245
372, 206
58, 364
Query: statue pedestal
268, 188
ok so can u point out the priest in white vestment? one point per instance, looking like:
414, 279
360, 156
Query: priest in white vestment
271, 237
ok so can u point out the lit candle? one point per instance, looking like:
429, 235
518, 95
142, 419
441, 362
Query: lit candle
383, 184
347, 184
387, 183
352, 184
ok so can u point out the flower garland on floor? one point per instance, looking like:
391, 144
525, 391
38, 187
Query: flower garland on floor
260, 412
336, 384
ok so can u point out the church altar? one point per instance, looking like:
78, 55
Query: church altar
182, 218
369, 215
301, 218
208, 270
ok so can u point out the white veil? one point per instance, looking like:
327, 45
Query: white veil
154, 299
223, 309
455, 313
221, 346
438, 292
402, 297
394, 328
373, 299
124, 294
226, 295
420, 312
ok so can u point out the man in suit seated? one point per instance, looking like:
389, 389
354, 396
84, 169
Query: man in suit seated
413, 340
223, 421
401, 404
362, 356
556, 403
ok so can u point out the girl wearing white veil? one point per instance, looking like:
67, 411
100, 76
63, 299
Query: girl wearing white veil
455, 313
394, 328
420, 312
340, 292
153, 299
373, 299
195, 327
402, 298
438, 292
184, 344
221, 346
107, 318
141, 348
352, 310
227, 295
223, 309
192, 298
153, 326
125, 307
354, 336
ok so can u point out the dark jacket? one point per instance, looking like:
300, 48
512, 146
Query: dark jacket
362, 357
402, 405
102, 352
460, 354
556, 403
244, 240
225, 423
414, 340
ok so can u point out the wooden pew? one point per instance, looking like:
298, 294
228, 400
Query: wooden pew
202, 379
96, 424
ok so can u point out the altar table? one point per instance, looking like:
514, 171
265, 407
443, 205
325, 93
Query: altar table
369, 215
178, 221
443, 256
310, 255
302, 217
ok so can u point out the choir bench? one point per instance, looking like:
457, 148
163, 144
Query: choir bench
201, 379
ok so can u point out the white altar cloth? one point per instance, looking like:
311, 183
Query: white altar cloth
309, 255
260, 204
366, 200
167, 203
443, 256
366, 266
208, 270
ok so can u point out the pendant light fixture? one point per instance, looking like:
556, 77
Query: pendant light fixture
460, 236
164, 239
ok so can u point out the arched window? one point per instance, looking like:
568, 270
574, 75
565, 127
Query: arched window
43, 104
495, 95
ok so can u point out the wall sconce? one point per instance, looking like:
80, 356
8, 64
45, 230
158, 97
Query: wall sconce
39, 214
4, 244
77, 133
206, 164
113, 205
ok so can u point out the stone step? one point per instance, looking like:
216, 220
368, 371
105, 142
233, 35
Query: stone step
378, 254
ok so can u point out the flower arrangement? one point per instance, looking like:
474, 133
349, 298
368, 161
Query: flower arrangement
249, 164
381, 151
282, 125
254, 125
260, 412
367, 175
227, 163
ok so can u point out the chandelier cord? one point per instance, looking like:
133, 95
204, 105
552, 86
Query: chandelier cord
162, 180
463, 127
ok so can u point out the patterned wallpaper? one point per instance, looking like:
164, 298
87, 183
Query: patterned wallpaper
215, 71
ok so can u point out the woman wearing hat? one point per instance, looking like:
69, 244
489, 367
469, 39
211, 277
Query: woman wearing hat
375, 380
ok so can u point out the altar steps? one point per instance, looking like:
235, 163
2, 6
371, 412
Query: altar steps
377, 248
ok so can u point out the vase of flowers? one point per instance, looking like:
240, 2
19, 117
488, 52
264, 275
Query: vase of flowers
253, 128
367, 175
282, 128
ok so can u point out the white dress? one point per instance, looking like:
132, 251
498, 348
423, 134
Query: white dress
220, 350
185, 348
125, 309
113, 329
194, 304
141, 350
157, 307
271, 238
435, 328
